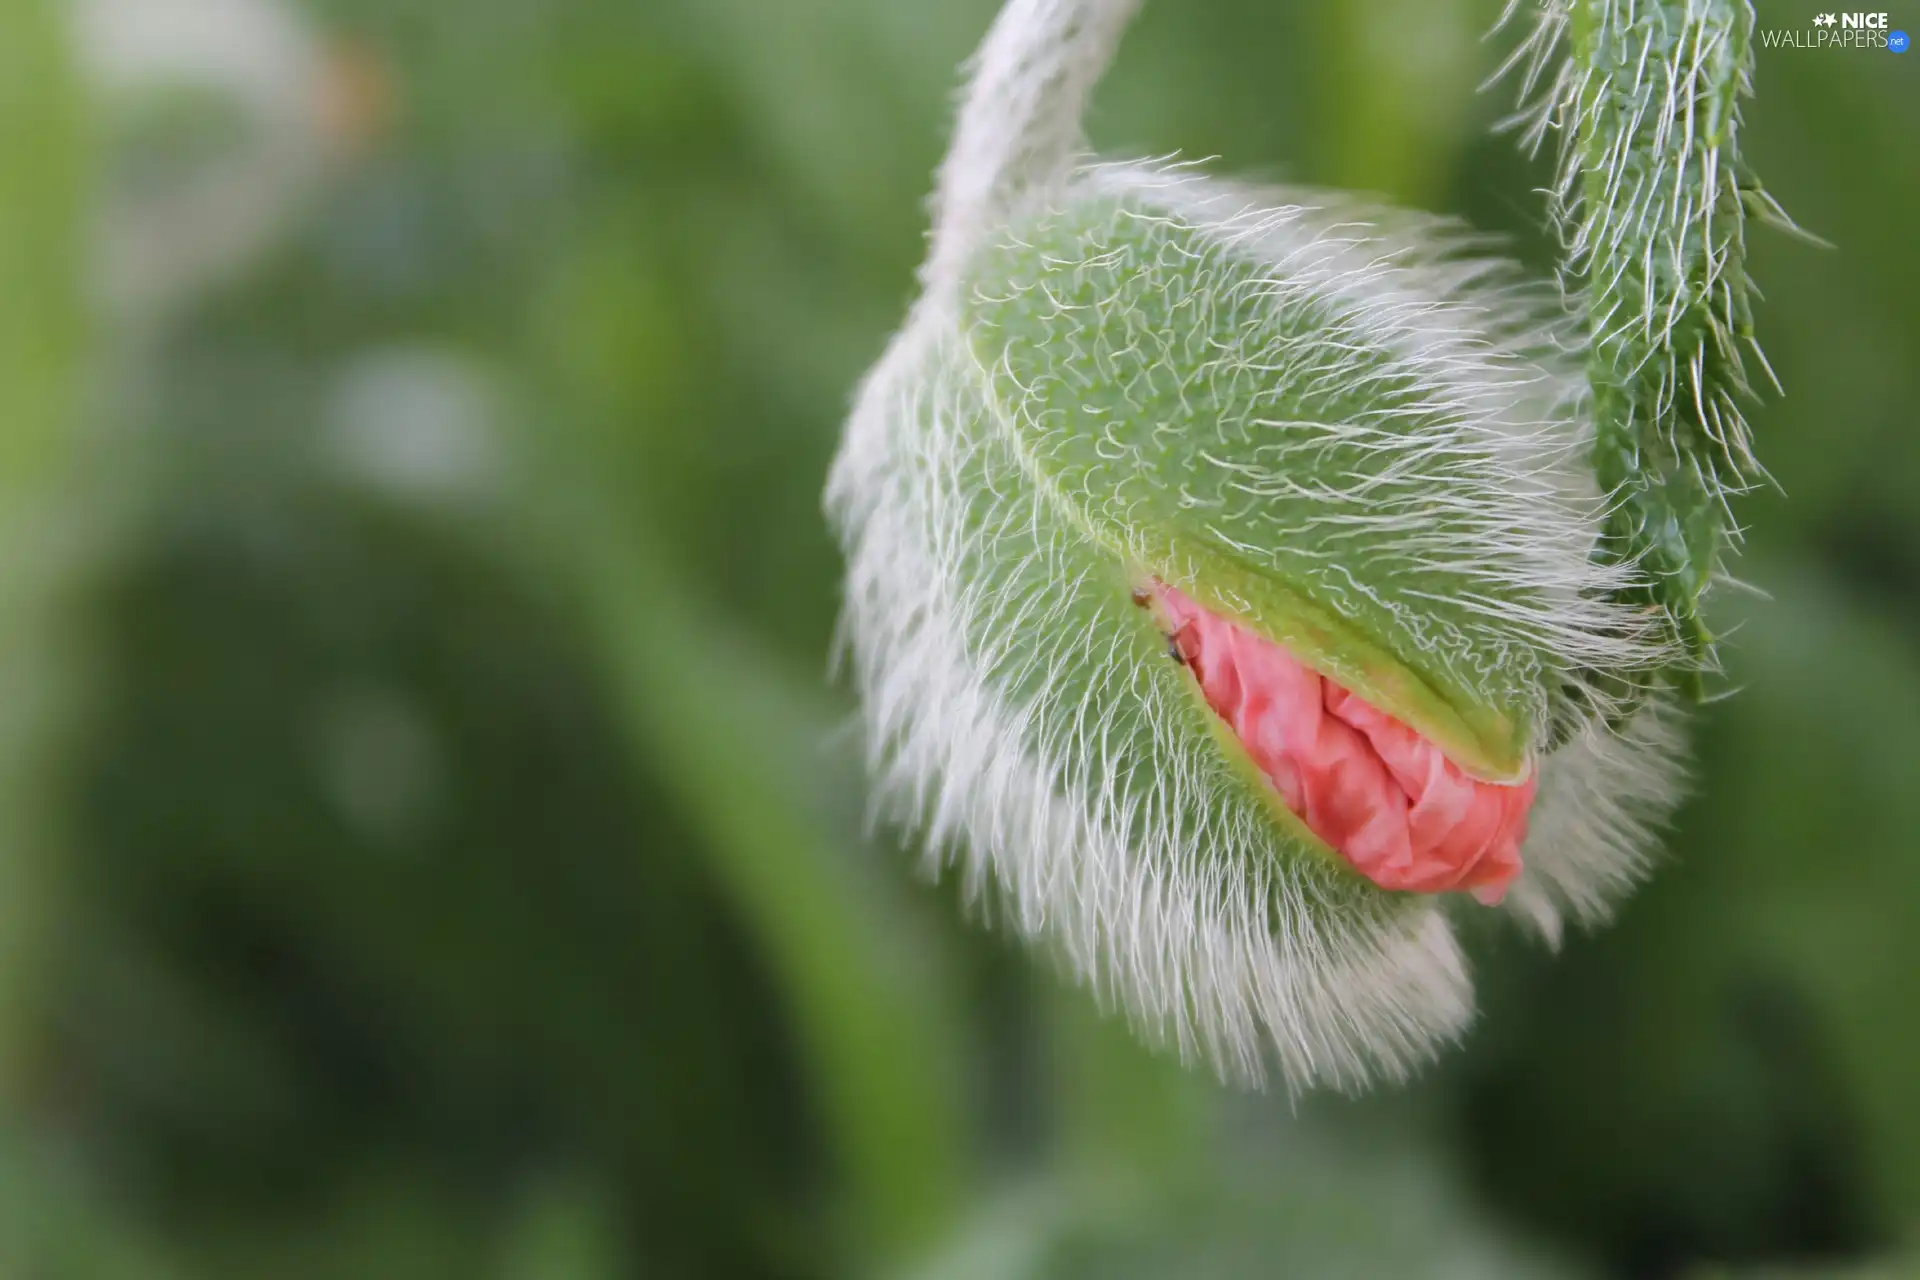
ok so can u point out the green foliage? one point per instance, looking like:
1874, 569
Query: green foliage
42, 202
454, 886
744, 750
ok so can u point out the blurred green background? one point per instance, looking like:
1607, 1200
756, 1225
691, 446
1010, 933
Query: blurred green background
431, 843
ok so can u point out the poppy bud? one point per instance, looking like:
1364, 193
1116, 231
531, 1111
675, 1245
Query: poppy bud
1222, 588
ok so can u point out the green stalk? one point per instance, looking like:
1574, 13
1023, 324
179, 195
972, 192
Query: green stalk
1652, 203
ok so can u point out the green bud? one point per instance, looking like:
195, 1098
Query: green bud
1339, 426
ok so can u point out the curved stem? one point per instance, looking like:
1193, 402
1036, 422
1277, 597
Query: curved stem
1019, 128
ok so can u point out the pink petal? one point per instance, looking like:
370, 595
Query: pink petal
1387, 799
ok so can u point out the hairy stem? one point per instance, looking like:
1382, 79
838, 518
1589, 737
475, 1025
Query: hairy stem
1019, 127
1652, 204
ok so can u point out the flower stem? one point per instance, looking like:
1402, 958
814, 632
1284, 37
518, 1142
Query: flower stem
1652, 204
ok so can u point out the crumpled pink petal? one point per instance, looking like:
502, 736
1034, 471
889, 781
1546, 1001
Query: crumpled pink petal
1384, 797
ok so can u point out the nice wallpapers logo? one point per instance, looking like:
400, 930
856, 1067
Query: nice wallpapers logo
1839, 31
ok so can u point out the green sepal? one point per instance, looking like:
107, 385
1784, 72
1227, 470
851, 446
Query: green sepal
1195, 424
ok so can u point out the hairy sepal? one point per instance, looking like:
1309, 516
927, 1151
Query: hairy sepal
1328, 421
1029, 723
1121, 369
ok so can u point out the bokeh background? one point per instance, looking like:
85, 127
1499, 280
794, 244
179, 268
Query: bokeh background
431, 842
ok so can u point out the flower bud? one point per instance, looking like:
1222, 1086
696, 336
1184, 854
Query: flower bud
1220, 566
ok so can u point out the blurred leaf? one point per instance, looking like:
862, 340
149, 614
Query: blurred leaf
1814, 829
749, 760
54, 1226
1322, 1195
1723, 1075
42, 160
1396, 82
564, 1231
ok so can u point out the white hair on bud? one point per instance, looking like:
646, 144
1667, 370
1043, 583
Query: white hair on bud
1604, 795
1496, 436
1217, 966
1045, 757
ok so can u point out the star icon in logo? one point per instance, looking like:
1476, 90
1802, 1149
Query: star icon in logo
1825, 20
